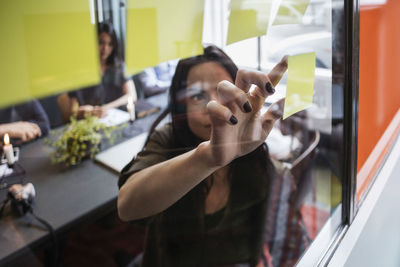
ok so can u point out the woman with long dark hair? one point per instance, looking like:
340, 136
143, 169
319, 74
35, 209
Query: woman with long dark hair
201, 183
114, 89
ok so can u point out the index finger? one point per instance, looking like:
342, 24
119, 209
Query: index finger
245, 78
277, 72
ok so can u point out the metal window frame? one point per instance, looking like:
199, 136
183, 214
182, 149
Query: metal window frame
351, 12
350, 123
352, 31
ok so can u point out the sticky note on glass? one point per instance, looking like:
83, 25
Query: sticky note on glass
300, 83
159, 30
291, 12
47, 47
247, 19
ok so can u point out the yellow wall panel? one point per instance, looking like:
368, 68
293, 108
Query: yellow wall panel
49, 46
159, 30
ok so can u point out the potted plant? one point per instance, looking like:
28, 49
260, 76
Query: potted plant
80, 139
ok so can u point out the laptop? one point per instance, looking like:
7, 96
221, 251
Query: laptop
118, 156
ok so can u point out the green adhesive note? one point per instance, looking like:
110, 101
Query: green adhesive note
247, 19
47, 47
291, 12
159, 30
300, 83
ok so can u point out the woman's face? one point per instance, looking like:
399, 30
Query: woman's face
202, 87
105, 46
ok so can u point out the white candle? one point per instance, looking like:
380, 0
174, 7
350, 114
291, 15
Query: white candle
131, 108
8, 150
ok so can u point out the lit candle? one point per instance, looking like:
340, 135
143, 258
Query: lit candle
131, 108
8, 150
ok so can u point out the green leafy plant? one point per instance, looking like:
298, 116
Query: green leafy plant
80, 139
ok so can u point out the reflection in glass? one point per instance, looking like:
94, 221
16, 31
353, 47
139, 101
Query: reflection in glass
310, 164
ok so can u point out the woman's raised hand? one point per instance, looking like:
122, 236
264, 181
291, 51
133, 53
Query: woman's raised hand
238, 127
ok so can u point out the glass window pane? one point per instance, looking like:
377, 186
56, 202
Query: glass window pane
208, 174
312, 137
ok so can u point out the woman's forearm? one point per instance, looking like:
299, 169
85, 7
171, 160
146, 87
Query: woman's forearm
156, 188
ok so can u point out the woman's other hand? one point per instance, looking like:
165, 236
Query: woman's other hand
97, 111
238, 127
26, 131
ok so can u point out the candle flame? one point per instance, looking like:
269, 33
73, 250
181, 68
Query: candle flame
6, 139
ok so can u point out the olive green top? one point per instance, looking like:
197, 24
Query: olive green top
183, 235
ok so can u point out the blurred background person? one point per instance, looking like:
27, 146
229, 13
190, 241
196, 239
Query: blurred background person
114, 89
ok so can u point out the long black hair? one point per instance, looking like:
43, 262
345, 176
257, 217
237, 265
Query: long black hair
114, 58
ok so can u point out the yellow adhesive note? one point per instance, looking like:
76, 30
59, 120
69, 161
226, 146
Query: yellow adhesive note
48, 47
300, 83
247, 19
159, 30
291, 12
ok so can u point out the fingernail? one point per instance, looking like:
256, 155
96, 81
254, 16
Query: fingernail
247, 108
270, 89
284, 60
233, 120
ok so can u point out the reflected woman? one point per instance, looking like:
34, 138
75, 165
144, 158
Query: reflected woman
201, 184
114, 89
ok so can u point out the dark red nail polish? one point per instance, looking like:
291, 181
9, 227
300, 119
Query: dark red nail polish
270, 89
233, 120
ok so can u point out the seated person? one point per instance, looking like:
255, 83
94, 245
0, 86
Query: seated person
25, 121
201, 184
112, 92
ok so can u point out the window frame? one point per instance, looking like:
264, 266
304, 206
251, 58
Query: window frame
350, 36
352, 28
